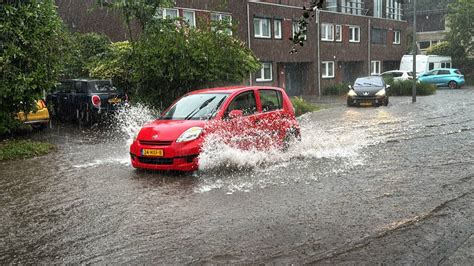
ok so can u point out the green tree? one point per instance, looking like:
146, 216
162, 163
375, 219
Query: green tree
169, 61
141, 11
31, 46
115, 64
176, 60
82, 50
461, 24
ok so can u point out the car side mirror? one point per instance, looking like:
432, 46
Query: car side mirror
236, 113
387, 87
350, 87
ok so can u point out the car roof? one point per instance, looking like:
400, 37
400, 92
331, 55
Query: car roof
231, 89
84, 80
395, 71
370, 77
444, 69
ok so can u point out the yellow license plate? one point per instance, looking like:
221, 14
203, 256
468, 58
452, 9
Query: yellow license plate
152, 152
366, 104
115, 100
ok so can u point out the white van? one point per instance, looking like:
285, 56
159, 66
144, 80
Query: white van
425, 63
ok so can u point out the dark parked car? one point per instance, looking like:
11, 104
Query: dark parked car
85, 100
368, 91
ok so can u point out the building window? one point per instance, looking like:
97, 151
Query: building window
277, 29
352, 7
189, 17
327, 32
375, 67
223, 18
265, 73
327, 69
378, 8
394, 9
296, 29
170, 13
354, 34
338, 33
331, 5
396, 37
378, 36
261, 28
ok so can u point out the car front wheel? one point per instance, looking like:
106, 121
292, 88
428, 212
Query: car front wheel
452, 85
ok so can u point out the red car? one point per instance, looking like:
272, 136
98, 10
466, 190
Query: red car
244, 117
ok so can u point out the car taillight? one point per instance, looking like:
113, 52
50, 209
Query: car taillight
96, 101
41, 104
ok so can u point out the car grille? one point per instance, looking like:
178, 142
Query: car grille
155, 142
162, 161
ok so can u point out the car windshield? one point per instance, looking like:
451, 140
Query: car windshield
369, 81
195, 107
103, 86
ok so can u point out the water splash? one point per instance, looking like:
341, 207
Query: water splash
128, 121
335, 148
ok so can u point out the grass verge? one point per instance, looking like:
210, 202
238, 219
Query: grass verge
21, 149
301, 106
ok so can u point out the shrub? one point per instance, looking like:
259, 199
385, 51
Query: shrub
336, 89
16, 149
301, 106
31, 45
404, 88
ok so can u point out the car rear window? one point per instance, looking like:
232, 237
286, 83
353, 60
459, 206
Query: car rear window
397, 74
457, 72
103, 86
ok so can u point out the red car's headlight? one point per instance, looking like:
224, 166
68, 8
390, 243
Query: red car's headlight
190, 134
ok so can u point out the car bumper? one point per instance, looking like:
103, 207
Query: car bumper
366, 101
40, 117
176, 157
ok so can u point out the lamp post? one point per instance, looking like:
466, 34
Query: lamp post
413, 89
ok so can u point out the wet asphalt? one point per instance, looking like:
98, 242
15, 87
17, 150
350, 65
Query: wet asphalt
364, 186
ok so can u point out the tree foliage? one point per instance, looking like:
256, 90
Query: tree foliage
170, 60
141, 11
461, 24
31, 47
115, 63
82, 50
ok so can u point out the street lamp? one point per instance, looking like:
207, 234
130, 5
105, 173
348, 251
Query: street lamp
413, 89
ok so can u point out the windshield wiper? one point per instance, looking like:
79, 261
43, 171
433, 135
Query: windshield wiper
195, 111
217, 107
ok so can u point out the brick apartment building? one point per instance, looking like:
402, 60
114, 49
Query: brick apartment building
354, 37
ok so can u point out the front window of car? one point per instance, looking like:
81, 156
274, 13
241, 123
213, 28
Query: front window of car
271, 100
244, 102
201, 106
369, 82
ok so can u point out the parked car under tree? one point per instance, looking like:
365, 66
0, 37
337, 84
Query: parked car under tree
85, 100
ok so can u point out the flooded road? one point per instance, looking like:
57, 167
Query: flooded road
380, 185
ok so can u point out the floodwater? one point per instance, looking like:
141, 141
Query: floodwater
378, 185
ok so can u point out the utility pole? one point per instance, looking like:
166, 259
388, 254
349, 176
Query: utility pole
413, 89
